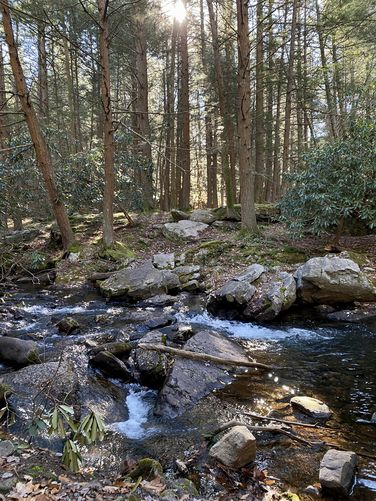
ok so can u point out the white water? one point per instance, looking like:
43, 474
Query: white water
43, 310
139, 407
245, 330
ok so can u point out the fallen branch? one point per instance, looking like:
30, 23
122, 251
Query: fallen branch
284, 421
203, 357
268, 429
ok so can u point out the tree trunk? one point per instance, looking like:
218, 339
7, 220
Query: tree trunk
42, 71
248, 212
108, 132
260, 127
42, 153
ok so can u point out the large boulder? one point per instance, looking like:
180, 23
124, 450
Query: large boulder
272, 297
150, 365
237, 292
179, 215
140, 283
191, 380
203, 216
236, 448
337, 469
184, 229
331, 280
15, 351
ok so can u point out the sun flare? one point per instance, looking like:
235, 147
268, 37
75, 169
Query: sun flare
176, 10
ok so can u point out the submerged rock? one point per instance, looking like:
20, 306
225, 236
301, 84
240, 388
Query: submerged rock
191, 380
331, 280
312, 406
15, 351
236, 448
337, 469
184, 229
140, 283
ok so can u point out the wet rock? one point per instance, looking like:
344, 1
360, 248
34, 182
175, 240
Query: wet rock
184, 229
15, 351
236, 448
151, 366
120, 349
179, 215
111, 366
160, 321
203, 216
337, 469
311, 406
67, 325
373, 418
332, 280
353, 316
324, 310
140, 283
6, 448
191, 380
161, 300
164, 261
272, 298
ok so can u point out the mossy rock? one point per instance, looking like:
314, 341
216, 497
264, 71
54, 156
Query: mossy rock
359, 259
147, 469
4, 389
75, 247
186, 486
117, 252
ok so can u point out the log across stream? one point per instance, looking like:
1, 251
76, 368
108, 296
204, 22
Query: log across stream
333, 362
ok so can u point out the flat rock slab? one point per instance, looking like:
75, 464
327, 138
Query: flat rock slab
191, 380
337, 470
184, 229
6, 448
311, 406
236, 448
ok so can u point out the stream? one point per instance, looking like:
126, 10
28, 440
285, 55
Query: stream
330, 361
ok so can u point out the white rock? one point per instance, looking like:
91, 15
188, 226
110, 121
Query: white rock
164, 261
184, 229
236, 448
337, 470
311, 406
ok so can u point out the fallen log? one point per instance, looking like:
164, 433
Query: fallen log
203, 357
283, 421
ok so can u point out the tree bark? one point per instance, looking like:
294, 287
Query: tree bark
108, 132
247, 187
259, 118
42, 153
42, 71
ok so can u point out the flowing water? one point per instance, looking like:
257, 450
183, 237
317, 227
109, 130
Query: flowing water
333, 362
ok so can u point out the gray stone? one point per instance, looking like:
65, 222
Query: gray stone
337, 469
179, 215
191, 380
67, 325
187, 273
6, 448
236, 448
227, 225
15, 351
7, 484
250, 274
331, 280
161, 300
152, 366
203, 216
312, 491
164, 261
353, 316
159, 321
311, 406
19, 236
111, 366
233, 292
140, 283
373, 418
184, 229
273, 297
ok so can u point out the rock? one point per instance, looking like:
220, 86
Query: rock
120, 349
311, 406
226, 214
15, 351
227, 225
110, 365
161, 300
67, 325
236, 448
7, 484
337, 469
272, 298
324, 310
353, 316
6, 448
191, 380
250, 274
152, 366
140, 283
147, 469
179, 215
312, 491
332, 280
373, 418
73, 257
160, 321
164, 261
184, 229
203, 216
187, 273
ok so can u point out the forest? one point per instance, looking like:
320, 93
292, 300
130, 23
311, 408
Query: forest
188, 250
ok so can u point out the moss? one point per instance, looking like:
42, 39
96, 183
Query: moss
186, 486
117, 252
40, 471
359, 259
146, 468
75, 247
